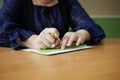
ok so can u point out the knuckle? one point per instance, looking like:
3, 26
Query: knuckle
55, 30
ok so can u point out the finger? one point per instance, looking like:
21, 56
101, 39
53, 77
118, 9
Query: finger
71, 40
51, 34
58, 43
41, 45
50, 38
55, 32
46, 42
45, 33
42, 38
64, 42
79, 41
58, 46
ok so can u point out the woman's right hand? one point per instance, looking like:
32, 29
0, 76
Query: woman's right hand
43, 40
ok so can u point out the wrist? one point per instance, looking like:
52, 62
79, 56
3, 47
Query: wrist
30, 41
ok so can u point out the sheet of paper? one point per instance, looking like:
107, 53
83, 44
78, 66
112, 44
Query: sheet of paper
51, 51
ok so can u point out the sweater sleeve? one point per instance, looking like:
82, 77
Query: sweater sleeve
10, 30
81, 20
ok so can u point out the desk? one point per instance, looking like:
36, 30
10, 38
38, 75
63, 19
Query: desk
102, 62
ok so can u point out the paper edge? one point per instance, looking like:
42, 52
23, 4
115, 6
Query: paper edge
58, 52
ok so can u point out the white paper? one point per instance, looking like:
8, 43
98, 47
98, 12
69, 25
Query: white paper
57, 51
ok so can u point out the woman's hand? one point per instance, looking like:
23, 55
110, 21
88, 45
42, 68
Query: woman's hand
43, 40
79, 37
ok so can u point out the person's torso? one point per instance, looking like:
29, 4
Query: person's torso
39, 18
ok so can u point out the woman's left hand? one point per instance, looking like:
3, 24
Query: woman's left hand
79, 37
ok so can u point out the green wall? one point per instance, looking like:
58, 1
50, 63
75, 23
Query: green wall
111, 26
1, 2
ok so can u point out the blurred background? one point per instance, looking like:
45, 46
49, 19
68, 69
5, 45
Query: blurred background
1, 2
106, 13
